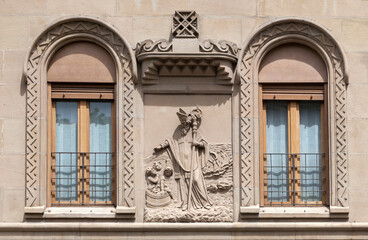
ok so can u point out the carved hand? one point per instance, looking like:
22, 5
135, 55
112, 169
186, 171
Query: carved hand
157, 149
197, 144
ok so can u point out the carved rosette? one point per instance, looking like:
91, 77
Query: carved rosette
247, 125
88, 28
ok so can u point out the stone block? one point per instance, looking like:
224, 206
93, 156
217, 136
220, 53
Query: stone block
1, 66
124, 25
355, 35
14, 134
13, 67
358, 204
358, 68
348, 8
12, 171
358, 169
13, 205
14, 33
150, 8
23, 7
224, 8
13, 101
37, 25
357, 135
306, 8
249, 26
220, 29
357, 100
334, 26
154, 28
91, 7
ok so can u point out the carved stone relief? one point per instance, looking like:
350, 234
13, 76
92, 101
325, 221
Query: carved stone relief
187, 178
185, 24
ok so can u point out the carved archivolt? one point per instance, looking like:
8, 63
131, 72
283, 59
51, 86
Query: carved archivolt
55, 36
289, 30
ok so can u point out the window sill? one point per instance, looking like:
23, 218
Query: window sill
79, 212
293, 212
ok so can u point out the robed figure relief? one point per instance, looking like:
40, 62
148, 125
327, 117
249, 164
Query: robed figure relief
189, 153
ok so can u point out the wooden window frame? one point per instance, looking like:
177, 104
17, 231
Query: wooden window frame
292, 94
83, 94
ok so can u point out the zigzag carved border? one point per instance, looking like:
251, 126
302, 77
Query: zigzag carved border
246, 96
33, 77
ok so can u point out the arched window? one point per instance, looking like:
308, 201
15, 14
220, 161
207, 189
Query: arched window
293, 138
293, 132
81, 82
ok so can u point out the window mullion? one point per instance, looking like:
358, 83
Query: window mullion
294, 149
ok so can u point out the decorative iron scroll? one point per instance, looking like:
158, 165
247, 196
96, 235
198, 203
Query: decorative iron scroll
33, 76
274, 31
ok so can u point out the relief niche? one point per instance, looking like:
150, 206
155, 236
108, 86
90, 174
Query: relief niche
188, 178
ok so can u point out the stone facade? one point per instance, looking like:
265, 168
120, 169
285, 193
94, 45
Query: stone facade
198, 60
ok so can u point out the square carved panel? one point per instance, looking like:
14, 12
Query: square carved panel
185, 24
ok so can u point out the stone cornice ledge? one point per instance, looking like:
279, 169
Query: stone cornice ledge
252, 212
187, 58
79, 212
174, 227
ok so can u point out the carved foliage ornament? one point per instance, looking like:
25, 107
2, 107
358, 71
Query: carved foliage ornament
33, 77
246, 68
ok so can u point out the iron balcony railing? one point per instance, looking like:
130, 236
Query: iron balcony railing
82, 178
294, 179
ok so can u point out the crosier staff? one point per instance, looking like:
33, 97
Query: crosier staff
196, 115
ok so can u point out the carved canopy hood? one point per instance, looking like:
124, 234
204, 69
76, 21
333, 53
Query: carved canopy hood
185, 56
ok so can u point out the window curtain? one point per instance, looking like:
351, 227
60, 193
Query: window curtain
310, 151
100, 151
66, 151
277, 151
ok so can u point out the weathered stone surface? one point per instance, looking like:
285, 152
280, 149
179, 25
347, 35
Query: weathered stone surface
23, 7
151, 28
16, 36
85, 7
306, 8
220, 28
346, 8
11, 74
357, 135
220, 8
150, 8
355, 34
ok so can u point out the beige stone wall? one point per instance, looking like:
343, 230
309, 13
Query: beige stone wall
234, 20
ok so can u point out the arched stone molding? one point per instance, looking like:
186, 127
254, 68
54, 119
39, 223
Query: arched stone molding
55, 36
263, 40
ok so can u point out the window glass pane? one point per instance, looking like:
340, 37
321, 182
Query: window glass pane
277, 151
66, 147
100, 148
310, 151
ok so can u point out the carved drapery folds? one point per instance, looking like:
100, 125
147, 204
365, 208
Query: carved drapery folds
55, 36
289, 31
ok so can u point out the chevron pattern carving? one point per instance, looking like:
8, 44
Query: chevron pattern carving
246, 96
60, 30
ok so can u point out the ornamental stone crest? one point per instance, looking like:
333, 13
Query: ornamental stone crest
185, 24
187, 178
